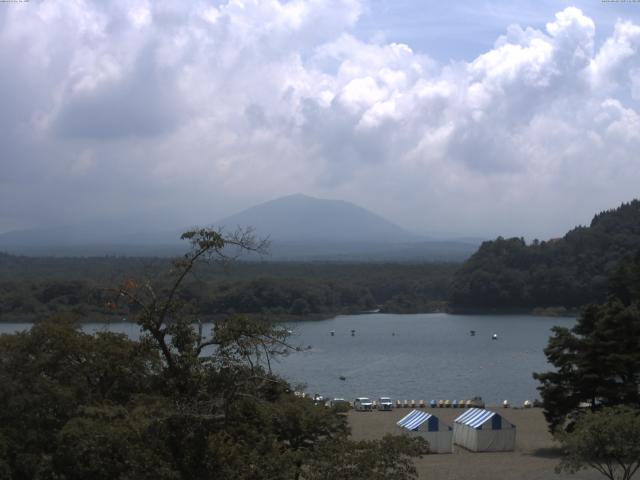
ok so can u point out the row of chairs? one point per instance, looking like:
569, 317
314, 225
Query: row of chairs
436, 404
433, 403
452, 404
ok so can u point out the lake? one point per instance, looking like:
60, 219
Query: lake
424, 356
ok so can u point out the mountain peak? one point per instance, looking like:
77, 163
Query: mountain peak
300, 217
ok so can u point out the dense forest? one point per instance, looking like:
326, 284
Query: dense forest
76, 406
567, 272
31, 288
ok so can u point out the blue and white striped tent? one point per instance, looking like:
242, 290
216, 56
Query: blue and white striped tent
482, 430
430, 428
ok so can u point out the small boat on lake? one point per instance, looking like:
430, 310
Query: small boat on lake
472, 333
494, 336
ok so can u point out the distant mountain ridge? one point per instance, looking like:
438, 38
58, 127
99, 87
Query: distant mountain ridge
300, 218
567, 272
301, 228
127, 236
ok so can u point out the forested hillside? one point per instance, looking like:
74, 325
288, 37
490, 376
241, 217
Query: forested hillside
32, 289
568, 272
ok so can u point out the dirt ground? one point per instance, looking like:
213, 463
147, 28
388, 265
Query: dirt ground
535, 456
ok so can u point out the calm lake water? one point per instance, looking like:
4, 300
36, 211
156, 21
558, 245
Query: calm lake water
426, 356
431, 356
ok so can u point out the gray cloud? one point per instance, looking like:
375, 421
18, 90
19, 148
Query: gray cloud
115, 109
143, 103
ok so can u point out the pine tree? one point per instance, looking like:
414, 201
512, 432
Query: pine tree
597, 361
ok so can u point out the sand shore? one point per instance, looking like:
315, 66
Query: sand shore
535, 456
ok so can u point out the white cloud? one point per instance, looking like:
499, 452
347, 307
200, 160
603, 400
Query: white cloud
634, 78
616, 56
154, 103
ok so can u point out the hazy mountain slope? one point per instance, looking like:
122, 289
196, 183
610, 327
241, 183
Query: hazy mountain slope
128, 236
297, 218
301, 228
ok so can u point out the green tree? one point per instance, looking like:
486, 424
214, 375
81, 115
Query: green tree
106, 442
607, 441
5, 468
598, 360
388, 459
180, 403
162, 312
570, 271
299, 307
49, 372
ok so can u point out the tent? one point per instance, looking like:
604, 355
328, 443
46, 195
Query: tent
429, 427
481, 430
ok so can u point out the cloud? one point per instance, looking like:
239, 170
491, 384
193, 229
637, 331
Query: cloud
206, 108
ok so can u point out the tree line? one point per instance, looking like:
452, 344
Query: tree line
284, 290
568, 272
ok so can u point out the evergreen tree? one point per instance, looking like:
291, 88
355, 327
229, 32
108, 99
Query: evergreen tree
597, 361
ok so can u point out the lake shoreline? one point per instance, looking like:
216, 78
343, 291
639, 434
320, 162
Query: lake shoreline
559, 312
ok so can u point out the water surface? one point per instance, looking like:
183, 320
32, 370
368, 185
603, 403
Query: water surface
425, 356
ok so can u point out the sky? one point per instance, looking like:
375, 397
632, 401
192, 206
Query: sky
464, 118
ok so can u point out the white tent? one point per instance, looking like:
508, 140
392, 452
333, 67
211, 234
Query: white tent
429, 427
481, 430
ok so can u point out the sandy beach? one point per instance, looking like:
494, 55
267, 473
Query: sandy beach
535, 456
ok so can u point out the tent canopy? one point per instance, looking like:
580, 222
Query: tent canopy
481, 430
439, 436
417, 419
477, 417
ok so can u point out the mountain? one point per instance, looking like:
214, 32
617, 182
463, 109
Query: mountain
304, 219
565, 272
301, 228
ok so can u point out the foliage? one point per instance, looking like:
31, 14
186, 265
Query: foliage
36, 288
607, 440
181, 403
49, 373
297, 297
567, 272
104, 442
388, 459
597, 361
